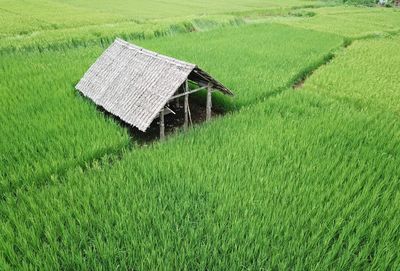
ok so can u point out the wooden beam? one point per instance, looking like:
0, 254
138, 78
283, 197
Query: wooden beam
177, 99
186, 92
186, 105
209, 102
167, 111
162, 126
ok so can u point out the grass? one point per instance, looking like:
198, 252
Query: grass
104, 34
322, 192
304, 179
34, 15
373, 86
31, 33
47, 127
351, 22
14, 23
268, 58
51, 14
32, 24
63, 130
178, 8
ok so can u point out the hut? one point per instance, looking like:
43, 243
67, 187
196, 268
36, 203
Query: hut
136, 84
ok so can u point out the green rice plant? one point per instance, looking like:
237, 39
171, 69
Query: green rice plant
47, 15
15, 24
46, 127
180, 8
294, 182
351, 22
361, 2
255, 61
56, 14
78, 30
351, 77
63, 130
40, 86
305, 179
104, 34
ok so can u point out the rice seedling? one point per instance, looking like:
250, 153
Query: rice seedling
178, 8
293, 182
42, 24
104, 34
46, 89
29, 16
63, 130
45, 126
351, 22
33, 15
268, 58
14, 24
305, 179
72, 13
368, 86
30, 33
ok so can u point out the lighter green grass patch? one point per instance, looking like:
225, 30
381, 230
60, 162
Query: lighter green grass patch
365, 74
352, 22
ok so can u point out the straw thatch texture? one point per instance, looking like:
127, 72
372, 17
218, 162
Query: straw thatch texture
135, 84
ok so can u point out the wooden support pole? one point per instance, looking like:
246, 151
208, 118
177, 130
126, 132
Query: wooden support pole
162, 126
177, 99
186, 106
209, 103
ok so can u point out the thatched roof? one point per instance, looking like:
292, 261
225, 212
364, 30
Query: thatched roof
135, 84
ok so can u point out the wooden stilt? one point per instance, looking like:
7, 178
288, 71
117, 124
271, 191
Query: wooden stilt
209, 103
186, 106
162, 126
177, 99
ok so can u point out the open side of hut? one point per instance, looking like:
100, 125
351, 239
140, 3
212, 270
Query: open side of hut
136, 84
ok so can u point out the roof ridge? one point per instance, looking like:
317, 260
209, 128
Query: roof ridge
153, 54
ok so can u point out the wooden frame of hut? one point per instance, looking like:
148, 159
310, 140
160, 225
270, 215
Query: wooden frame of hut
136, 84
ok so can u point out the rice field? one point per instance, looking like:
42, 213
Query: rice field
304, 178
323, 192
46, 127
28, 16
35, 33
352, 22
258, 70
89, 35
48, 94
372, 86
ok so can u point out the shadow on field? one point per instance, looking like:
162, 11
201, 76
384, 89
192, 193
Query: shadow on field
173, 122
